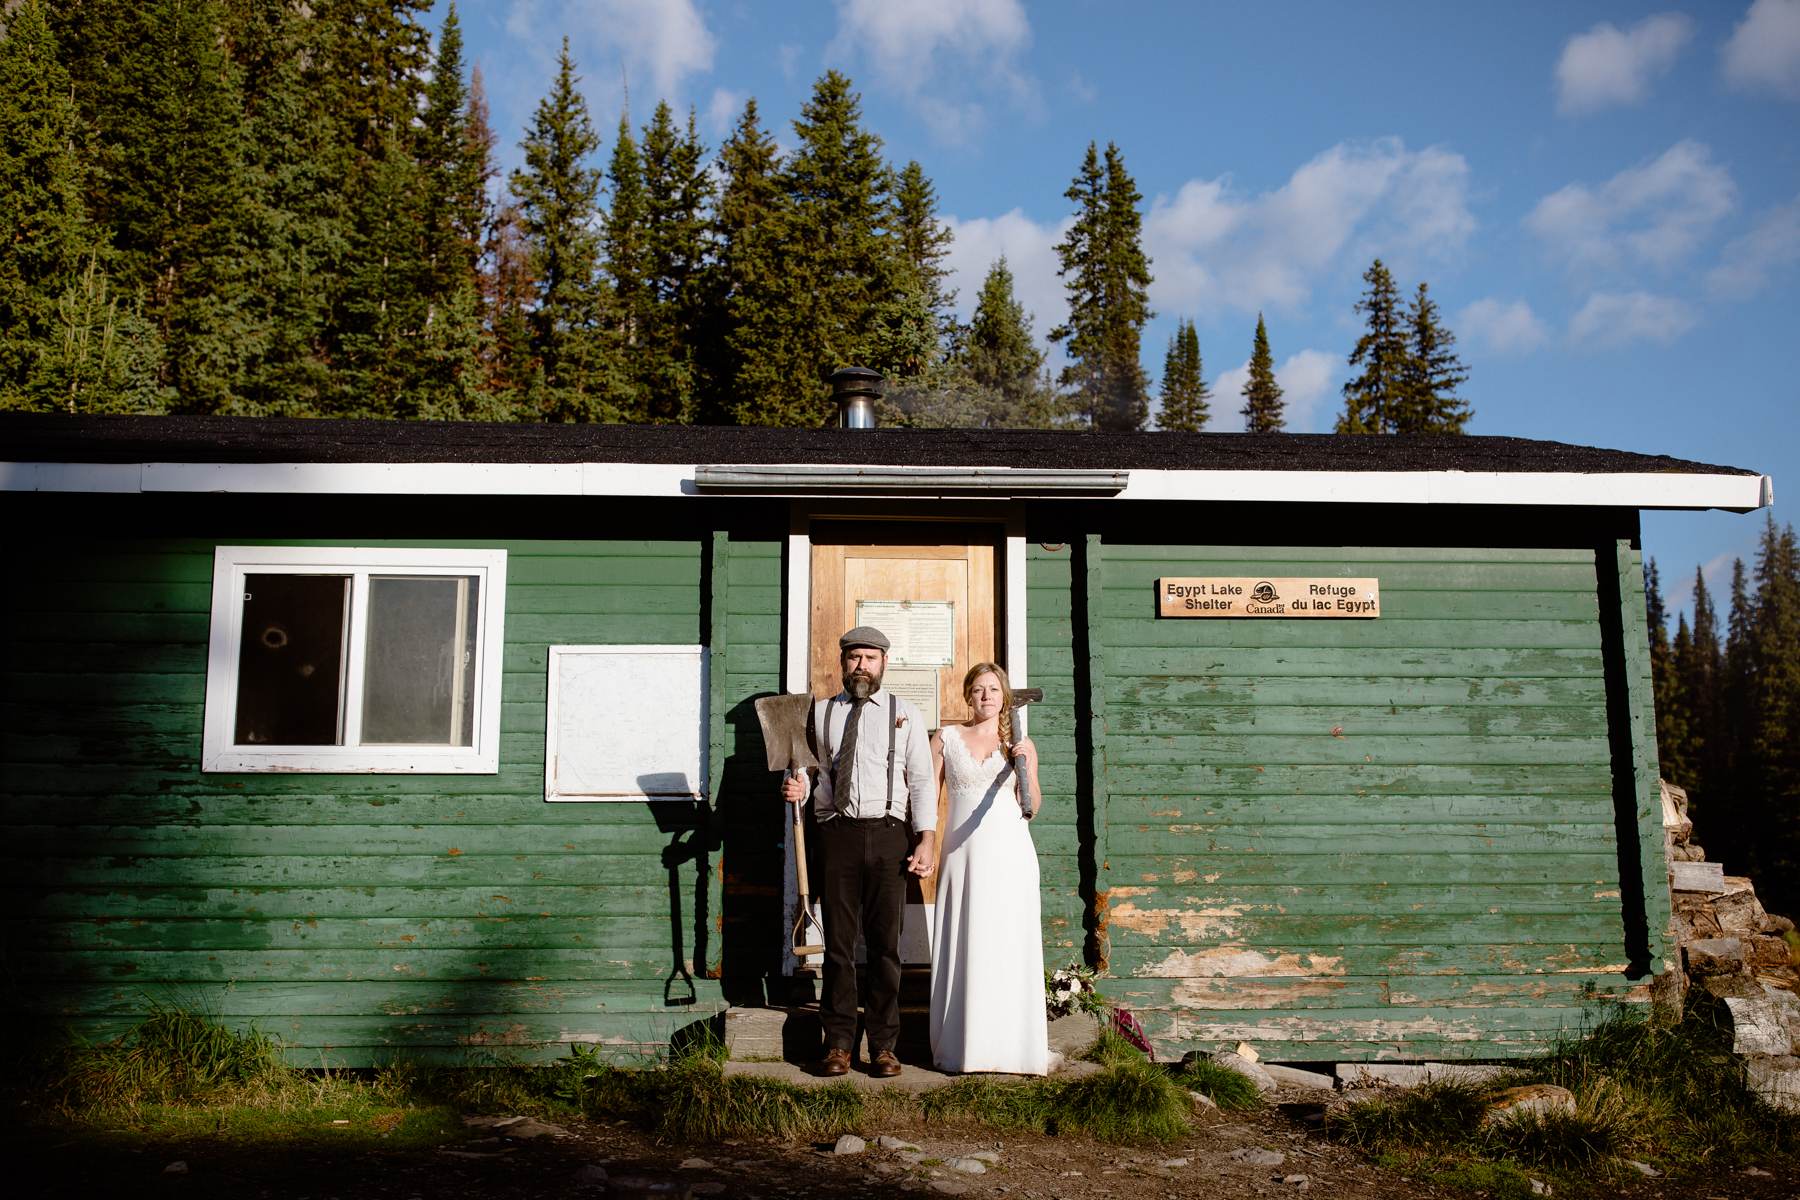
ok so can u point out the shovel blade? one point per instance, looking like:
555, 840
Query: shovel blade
783, 721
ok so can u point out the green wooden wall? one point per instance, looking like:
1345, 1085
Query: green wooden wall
1353, 839
453, 917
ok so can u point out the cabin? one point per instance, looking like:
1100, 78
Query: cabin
438, 741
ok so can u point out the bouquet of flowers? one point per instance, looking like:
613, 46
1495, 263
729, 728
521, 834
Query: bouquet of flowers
1071, 989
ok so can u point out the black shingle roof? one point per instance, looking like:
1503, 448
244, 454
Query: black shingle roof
33, 438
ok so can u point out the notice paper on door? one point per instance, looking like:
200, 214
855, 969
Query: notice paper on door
918, 684
921, 633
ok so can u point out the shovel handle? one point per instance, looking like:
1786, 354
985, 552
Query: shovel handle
802, 886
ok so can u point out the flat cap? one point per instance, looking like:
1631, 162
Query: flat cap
863, 635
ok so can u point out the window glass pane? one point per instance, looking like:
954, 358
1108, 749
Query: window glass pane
419, 680
291, 660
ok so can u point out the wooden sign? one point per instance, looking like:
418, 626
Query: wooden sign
1272, 597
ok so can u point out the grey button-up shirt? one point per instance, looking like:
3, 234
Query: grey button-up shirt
915, 783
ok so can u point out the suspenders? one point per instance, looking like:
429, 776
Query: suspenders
830, 754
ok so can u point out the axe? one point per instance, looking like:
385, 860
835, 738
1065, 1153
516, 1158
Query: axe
783, 721
1028, 799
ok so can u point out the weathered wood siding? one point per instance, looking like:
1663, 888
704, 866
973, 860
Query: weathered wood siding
359, 916
1340, 839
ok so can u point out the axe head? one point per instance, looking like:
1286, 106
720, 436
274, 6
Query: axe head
783, 721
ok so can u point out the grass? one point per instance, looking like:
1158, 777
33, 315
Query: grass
1674, 1096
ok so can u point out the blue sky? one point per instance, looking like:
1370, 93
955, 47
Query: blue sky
1604, 197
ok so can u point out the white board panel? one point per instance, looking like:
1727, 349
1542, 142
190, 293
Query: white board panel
626, 723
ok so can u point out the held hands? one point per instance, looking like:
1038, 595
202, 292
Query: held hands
923, 860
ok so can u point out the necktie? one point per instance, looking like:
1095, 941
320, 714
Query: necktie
844, 768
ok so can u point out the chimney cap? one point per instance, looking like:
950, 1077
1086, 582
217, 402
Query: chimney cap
855, 381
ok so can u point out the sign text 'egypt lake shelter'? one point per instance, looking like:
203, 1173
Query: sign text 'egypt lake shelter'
1252, 597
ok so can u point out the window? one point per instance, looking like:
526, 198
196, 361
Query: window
331, 659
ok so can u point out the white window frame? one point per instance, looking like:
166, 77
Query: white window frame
232, 563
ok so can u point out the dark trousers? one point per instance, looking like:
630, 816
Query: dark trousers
861, 876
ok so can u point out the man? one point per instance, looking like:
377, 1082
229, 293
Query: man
875, 774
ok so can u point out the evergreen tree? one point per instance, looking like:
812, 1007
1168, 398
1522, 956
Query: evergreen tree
1184, 390
100, 357
627, 258
577, 374
45, 233
1375, 400
1698, 675
1263, 404
677, 190
1669, 737
924, 241
1431, 374
744, 291
1772, 748
382, 312
1001, 361
1107, 278
508, 291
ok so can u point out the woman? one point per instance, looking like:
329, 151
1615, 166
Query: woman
987, 971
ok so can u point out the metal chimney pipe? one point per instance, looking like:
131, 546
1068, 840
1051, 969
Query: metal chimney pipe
855, 389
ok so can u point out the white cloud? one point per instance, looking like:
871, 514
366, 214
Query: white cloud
1747, 262
1655, 213
1506, 327
1030, 250
1612, 319
1764, 50
1308, 379
944, 56
1608, 65
1213, 247
658, 42
723, 110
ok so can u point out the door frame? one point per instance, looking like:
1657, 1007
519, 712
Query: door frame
796, 596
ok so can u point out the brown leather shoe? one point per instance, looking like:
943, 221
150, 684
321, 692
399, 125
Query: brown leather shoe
885, 1066
835, 1062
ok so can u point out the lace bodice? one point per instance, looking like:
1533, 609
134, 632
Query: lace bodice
964, 777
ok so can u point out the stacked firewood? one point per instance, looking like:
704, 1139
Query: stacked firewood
1734, 950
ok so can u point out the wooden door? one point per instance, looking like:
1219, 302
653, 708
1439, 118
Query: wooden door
858, 570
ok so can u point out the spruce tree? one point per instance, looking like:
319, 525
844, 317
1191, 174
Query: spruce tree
1184, 390
677, 190
508, 291
924, 240
744, 287
1263, 404
1772, 748
1699, 674
45, 234
1002, 363
1107, 278
101, 356
1662, 669
577, 375
1375, 400
1431, 375
626, 256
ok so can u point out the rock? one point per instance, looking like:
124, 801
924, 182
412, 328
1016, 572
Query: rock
1202, 1101
1538, 1098
1073, 1035
1697, 877
1256, 1156
1233, 1061
1540, 1188
1412, 1074
1759, 1172
1776, 1078
1295, 1077
1738, 911
990, 1157
914, 1157
893, 1143
1777, 924
1173, 1163
1643, 1168
695, 1164
950, 1187
1759, 1022
1299, 1181
968, 1165
178, 1167
1246, 1050
849, 1143
590, 1176
530, 1127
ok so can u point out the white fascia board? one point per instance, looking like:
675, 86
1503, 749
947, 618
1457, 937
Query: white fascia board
1740, 492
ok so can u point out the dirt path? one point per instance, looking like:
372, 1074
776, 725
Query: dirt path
1227, 1156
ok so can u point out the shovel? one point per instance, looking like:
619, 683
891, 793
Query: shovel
1028, 799
783, 721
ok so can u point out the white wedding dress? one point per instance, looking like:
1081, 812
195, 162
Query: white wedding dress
987, 954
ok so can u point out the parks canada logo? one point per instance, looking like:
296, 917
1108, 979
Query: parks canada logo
1264, 593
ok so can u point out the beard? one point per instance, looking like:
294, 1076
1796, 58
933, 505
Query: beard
860, 685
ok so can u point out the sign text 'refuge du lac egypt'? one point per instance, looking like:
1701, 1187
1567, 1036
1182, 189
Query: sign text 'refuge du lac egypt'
1251, 597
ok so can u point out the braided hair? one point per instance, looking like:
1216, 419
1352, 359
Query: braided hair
1006, 699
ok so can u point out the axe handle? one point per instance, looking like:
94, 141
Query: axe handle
1028, 800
